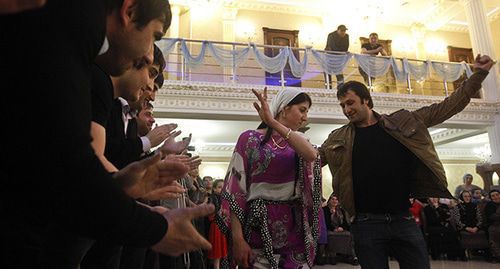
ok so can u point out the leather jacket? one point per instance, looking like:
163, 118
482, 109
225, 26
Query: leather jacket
410, 129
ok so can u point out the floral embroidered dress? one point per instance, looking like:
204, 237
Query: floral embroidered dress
276, 197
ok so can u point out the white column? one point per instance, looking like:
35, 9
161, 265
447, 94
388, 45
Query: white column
173, 58
482, 42
494, 136
229, 34
174, 25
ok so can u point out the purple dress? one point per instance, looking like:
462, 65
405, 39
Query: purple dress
276, 197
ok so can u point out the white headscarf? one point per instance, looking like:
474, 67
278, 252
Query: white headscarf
282, 99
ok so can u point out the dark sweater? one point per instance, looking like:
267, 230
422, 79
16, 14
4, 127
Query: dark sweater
380, 186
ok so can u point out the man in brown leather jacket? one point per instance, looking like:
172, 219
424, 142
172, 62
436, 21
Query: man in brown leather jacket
379, 161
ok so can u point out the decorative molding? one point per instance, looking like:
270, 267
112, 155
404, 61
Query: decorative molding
450, 135
276, 8
456, 154
214, 100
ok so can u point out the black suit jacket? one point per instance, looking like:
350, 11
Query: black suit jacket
121, 149
54, 175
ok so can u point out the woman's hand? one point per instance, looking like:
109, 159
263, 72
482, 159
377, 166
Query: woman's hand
264, 112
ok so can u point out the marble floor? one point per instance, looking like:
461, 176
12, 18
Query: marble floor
472, 264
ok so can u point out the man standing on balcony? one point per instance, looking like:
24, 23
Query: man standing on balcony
373, 49
337, 41
379, 161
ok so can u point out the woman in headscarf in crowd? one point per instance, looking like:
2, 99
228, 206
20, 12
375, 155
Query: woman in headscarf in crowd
469, 223
492, 219
273, 188
340, 239
443, 238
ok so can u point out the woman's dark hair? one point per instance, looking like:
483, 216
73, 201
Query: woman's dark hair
216, 182
462, 195
300, 98
358, 88
492, 191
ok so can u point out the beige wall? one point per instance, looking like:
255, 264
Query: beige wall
455, 172
310, 28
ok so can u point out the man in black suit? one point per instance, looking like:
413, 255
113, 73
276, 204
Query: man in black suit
55, 175
337, 41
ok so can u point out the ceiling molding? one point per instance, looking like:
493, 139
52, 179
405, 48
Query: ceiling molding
228, 101
276, 8
451, 135
457, 154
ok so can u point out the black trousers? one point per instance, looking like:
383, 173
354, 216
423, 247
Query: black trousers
340, 80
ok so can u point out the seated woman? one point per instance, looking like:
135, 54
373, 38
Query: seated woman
443, 238
339, 237
492, 219
469, 223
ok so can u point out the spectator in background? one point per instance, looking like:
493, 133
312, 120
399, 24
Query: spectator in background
373, 48
416, 210
207, 183
492, 218
469, 223
496, 187
467, 186
477, 196
215, 236
337, 41
340, 239
443, 238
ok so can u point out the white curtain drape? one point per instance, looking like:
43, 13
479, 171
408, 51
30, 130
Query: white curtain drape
332, 64
229, 57
329, 63
193, 61
298, 68
271, 64
373, 66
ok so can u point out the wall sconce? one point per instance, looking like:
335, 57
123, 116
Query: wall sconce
435, 48
246, 30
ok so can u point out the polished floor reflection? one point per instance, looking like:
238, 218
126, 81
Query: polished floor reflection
472, 264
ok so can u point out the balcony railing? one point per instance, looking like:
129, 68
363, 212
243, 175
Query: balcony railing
253, 64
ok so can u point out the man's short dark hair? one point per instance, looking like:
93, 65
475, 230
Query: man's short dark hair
358, 88
159, 80
342, 27
146, 11
158, 58
374, 34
